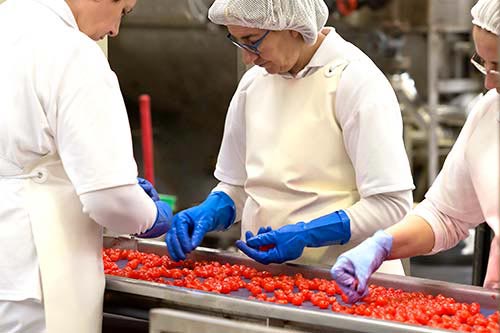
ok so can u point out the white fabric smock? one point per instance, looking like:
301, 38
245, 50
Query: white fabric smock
58, 95
466, 192
27, 314
291, 125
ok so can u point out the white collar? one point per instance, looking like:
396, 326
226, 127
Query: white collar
323, 55
61, 8
321, 58
496, 101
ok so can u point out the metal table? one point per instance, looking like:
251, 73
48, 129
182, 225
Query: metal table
134, 298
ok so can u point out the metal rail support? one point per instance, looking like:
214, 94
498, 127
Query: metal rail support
482, 244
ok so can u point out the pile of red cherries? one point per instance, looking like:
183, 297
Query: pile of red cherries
382, 303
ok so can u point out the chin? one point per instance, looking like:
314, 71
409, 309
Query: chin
274, 70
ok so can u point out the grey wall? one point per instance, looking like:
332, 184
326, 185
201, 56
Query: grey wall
191, 76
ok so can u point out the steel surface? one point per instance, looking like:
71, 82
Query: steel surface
240, 306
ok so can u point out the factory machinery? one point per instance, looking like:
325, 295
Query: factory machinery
179, 309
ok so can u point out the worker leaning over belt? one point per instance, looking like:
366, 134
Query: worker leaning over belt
466, 192
66, 162
313, 134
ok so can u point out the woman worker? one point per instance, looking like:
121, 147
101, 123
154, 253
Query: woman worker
66, 162
312, 157
466, 192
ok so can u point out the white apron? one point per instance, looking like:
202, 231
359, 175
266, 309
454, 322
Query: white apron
296, 162
68, 245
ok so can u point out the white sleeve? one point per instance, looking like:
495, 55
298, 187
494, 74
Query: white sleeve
236, 193
378, 212
369, 115
230, 166
90, 123
124, 209
453, 191
451, 206
448, 231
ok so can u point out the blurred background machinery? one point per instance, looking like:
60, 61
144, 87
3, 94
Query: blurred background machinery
170, 50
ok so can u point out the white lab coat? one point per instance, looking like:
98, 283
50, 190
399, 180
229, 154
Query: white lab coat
360, 113
57, 96
466, 192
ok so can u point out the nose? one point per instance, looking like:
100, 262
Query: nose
249, 57
115, 30
491, 81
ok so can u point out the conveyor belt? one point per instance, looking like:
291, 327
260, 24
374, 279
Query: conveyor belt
130, 297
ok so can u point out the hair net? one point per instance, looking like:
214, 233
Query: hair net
486, 14
307, 17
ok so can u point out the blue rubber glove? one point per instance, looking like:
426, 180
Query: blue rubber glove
148, 188
189, 227
289, 241
354, 267
164, 212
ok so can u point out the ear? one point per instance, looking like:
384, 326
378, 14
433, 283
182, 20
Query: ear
296, 35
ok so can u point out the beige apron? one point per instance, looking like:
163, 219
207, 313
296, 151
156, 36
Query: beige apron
69, 246
297, 165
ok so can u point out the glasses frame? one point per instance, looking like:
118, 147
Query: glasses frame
252, 48
476, 61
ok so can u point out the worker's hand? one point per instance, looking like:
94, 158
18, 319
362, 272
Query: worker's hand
162, 223
354, 268
288, 242
189, 227
164, 212
148, 188
274, 246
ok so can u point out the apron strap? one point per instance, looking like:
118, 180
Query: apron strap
35, 174
9, 170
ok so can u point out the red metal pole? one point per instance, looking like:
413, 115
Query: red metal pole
147, 138
347, 7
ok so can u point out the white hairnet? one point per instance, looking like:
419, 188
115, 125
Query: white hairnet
485, 14
307, 17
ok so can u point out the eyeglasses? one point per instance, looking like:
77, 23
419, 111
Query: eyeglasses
252, 48
478, 62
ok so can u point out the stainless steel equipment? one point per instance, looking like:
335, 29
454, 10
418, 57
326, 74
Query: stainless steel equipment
131, 297
167, 320
441, 30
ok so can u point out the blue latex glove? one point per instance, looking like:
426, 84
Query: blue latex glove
189, 227
148, 188
162, 223
164, 212
289, 241
354, 267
